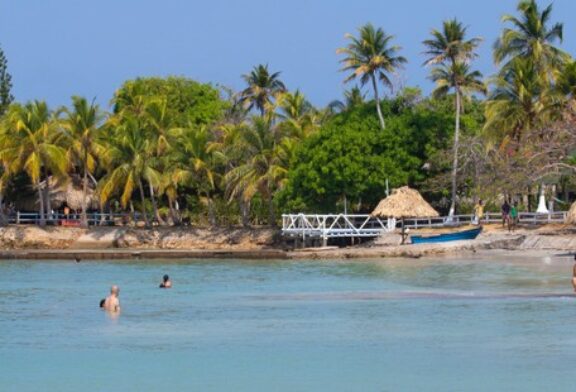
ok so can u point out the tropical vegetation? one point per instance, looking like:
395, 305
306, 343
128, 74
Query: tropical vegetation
175, 151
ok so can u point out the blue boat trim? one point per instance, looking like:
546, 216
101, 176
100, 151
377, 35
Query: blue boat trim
461, 235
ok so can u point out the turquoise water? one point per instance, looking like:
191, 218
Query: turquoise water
484, 324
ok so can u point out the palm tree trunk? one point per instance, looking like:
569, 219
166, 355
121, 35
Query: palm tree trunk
133, 213
84, 192
157, 216
143, 201
211, 213
271, 213
42, 220
47, 203
244, 211
172, 212
377, 99
455, 158
3, 218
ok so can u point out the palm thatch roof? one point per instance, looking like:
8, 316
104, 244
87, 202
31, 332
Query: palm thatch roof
72, 195
571, 216
404, 203
61, 193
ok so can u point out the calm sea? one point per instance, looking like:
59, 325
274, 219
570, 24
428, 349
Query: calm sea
493, 323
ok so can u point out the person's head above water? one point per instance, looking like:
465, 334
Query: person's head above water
115, 290
166, 283
102, 302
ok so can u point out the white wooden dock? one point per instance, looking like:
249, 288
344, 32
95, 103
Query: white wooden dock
327, 226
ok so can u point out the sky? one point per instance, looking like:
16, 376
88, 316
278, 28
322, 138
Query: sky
59, 48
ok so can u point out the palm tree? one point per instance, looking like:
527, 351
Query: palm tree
297, 114
228, 152
352, 98
450, 45
372, 58
566, 85
198, 166
130, 164
511, 108
263, 170
31, 142
83, 125
162, 132
262, 88
531, 37
450, 52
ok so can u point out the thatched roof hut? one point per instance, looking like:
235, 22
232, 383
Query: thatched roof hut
404, 203
72, 195
571, 216
61, 193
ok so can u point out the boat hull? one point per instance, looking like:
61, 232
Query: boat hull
447, 237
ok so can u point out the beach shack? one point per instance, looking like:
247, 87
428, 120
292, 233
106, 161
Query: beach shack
404, 203
65, 198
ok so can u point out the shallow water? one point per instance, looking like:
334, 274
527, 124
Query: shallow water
486, 323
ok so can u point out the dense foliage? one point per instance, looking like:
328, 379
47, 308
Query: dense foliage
351, 157
187, 101
178, 151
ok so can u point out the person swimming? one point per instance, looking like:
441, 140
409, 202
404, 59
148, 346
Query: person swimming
112, 303
166, 282
102, 302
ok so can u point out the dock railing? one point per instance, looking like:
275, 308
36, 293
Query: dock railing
325, 226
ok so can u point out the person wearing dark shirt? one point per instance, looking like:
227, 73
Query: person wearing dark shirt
505, 213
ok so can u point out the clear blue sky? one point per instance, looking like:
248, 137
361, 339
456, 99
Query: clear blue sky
57, 48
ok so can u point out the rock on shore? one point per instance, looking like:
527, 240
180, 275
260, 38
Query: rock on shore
33, 237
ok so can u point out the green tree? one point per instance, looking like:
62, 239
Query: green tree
31, 142
351, 157
262, 88
298, 116
353, 97
187, 101
566, 85
372, 58
451, 52
129, 163
264, 169
463, 81
198, 166
6, 97
516, 102
531, 37
83, 124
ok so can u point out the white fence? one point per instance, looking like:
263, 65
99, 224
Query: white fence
360, 225
22, 218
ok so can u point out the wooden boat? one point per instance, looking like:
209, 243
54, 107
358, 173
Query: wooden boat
457, 236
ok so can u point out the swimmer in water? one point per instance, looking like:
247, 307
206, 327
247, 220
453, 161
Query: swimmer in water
102, 302
112, 303
166, 282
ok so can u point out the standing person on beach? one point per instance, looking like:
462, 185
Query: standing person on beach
478, 212
505, 213
513, 217
112, 303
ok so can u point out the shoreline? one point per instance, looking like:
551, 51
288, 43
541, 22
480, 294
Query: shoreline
33, 243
